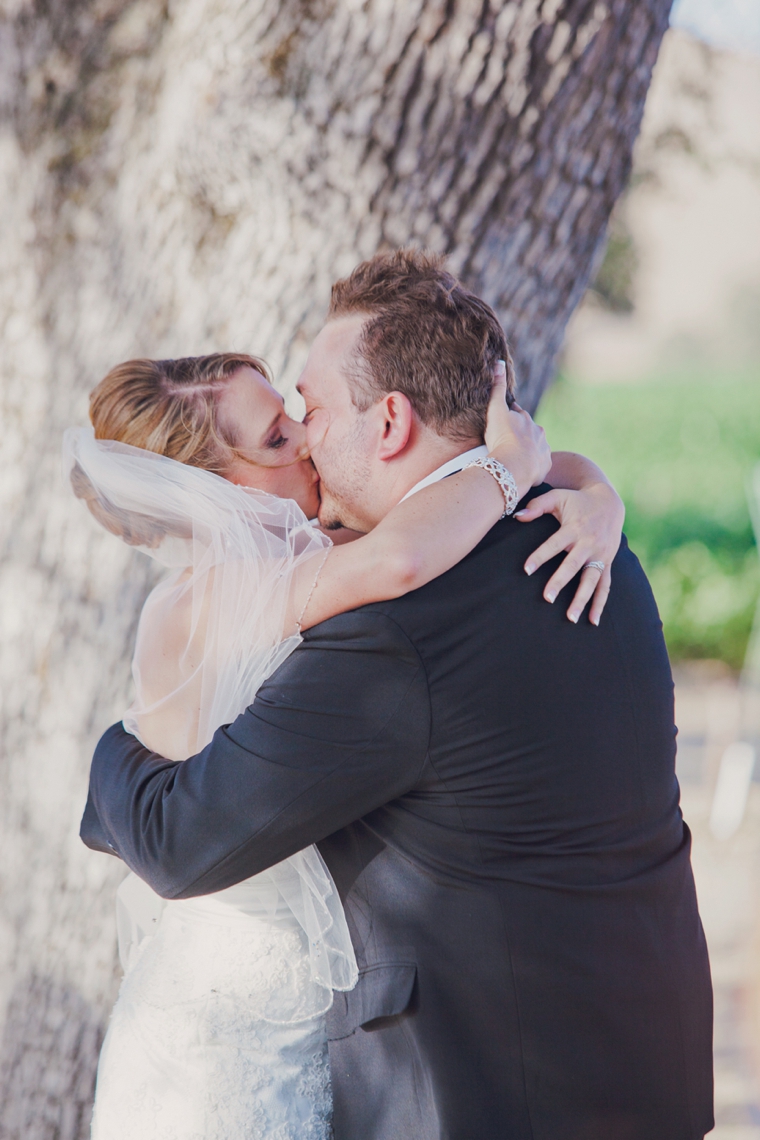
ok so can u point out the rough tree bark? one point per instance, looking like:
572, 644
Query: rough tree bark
182, 176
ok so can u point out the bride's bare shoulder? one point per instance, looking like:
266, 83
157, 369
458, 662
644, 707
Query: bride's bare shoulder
173, 629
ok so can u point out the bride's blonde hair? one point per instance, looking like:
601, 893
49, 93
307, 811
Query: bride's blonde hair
169, 407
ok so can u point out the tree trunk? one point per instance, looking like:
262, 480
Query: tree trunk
185, 176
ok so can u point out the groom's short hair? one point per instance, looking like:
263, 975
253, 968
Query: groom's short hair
426, 336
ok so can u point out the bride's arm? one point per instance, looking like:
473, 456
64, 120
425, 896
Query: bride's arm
406, 549
424, 536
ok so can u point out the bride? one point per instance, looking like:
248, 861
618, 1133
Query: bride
218, 1032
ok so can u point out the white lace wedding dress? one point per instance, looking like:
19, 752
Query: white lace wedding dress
218, 1032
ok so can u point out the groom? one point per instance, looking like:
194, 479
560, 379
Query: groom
492, 787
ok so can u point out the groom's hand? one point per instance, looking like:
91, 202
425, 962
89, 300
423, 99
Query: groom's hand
591, 524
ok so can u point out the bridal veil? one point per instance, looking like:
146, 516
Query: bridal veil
209, 635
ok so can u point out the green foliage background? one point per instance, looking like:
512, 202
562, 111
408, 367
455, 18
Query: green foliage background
680, 449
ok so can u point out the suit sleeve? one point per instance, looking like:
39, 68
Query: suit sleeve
341, 728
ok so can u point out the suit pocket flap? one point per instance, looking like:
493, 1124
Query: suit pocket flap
384, 990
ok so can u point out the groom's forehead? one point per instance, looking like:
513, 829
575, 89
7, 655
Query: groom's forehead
339, 336
325, 367
317, 386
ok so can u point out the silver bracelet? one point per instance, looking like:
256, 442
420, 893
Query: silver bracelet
503, 477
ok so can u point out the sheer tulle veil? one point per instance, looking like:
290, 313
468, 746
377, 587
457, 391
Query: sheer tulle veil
209, 635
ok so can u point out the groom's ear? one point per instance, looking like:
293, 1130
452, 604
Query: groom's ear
396, 424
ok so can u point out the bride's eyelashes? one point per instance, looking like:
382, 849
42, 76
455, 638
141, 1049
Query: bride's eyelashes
276, 441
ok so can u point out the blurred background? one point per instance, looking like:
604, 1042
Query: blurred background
660, 383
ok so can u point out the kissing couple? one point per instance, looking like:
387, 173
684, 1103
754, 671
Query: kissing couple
407, 860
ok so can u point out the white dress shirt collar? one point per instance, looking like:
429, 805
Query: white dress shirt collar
458, 463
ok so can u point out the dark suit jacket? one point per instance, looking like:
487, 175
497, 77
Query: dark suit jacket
494, 792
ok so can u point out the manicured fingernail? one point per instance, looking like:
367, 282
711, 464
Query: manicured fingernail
550, 595
530, 567
519, 514
573, 618
594, 621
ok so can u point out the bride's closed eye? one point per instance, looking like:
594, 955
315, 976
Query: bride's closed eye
276, 440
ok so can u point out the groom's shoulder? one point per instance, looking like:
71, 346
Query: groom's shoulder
369, 629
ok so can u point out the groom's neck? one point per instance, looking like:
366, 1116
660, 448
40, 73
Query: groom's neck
415, 463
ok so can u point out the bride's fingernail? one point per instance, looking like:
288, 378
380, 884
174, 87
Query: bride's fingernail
529, 568
594, 620
550, 595
519, 514
573, 618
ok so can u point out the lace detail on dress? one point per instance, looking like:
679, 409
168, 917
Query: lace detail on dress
315, 1088
218, 1033
203, 1043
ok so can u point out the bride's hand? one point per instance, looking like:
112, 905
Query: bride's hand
591, 524
514, 439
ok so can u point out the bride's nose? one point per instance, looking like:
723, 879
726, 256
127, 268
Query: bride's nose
302, 447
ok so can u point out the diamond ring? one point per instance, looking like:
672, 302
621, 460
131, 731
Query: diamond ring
594, 566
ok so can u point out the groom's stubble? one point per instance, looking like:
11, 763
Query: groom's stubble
345, 473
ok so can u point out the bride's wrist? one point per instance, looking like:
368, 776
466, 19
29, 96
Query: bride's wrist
524, 473
503, 477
